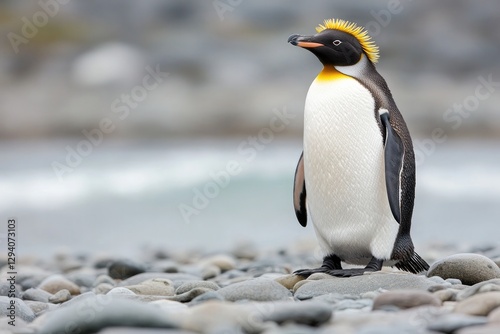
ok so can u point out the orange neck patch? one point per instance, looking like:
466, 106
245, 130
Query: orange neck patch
330, 73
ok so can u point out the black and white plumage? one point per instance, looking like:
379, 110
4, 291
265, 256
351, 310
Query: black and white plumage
357, 170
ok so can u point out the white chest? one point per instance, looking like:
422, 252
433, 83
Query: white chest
344, 171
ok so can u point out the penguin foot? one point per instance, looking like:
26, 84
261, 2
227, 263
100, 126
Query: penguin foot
374, 265
330, 262
309, 272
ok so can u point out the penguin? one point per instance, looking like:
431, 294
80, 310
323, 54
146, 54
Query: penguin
356, 174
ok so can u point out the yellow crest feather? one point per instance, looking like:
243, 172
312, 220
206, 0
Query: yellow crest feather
369, 46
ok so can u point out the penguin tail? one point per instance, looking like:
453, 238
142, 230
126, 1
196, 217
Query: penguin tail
414, 264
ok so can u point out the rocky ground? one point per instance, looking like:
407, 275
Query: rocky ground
247, 291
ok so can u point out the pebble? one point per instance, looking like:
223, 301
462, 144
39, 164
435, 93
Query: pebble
104, 279
289, 281
60, 296
154, 286
361, 284
221, 261
469, 268
489, 329
486, 286
480, 304
312, 313
450, 323
494, 315
5, 289
22, 310
255, 289
210, 295
404, 299
39, 307
103, 288
120, 291
177, 278
187, 286
55, 283
446, 295
36, 294
98, 312
123, 269
210, 271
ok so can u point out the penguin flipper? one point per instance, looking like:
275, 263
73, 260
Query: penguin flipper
299, 193
394, 154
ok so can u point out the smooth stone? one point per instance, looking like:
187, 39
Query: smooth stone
103, 288
190, 295
98, 312
187, 286
223, 317
469, 268
120, 291
453, 281
480, 304
80, 298
154, 286
5, 289
404, 299
84, 277
23, 311
210, 295
104, 279
177, 278
494, 315
289, 281
361, 284
40, 307
55, 283
311, 313
488, 329
450, 323
210, 271
222, 261
36, 294
245, 251
446, 295
170, 306
486, 286
60, 296
350, 304
255, 289
123, 269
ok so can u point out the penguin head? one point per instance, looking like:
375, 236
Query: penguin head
338, 43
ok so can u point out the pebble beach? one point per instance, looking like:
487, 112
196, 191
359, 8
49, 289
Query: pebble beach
245, 290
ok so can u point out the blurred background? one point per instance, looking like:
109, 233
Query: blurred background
130, 124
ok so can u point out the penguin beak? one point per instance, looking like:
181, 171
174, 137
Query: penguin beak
303, 41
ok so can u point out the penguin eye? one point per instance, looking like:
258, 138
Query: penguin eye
336, 42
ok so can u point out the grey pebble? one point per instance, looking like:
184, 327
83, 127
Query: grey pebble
60, 297
449, 323
468, 267
190, 295
82, 278
185, 287
104, 279
255, 289
311, 313
153, 287
488, 329
453, 281
177, 278
210, 295
361, 284
489, 285
7, 289
480, 304
121, 291
40, 307
54, 283
98, 312
404, 299
123, 269
36, 294
22, 310
102, 288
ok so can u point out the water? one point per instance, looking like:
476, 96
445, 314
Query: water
126, 195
